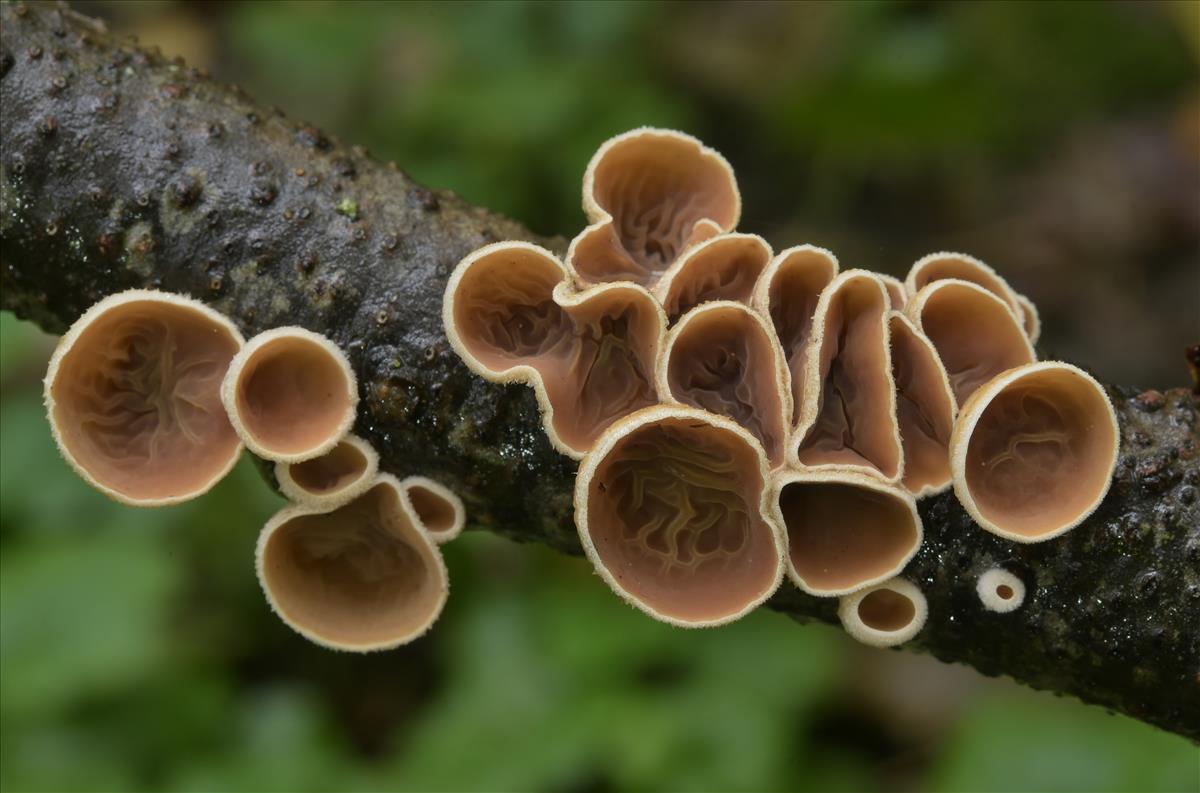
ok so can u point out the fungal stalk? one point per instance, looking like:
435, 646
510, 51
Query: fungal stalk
332, 479
290, 394
1033, 451
886, 614
671, 507
511, 315
133, 397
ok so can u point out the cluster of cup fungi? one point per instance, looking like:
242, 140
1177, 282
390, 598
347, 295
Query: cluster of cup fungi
151, 397
741, 415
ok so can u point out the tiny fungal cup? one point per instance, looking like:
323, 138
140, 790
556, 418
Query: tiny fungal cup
290, 394
845, 530
1033, 451
133, 397
886, 614
332, 479
361, 577
672, 511
439, 510
1000, 591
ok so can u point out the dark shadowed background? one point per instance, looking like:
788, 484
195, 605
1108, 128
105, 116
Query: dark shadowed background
1058, 142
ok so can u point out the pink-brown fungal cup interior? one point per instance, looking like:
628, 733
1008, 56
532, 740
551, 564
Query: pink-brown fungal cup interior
439, 510
650, 194
590, 355
845, 530
725, 267
290, 394
670, 509
133, 397
1034, 450
336, 476
886, 614
924, 408
361, 577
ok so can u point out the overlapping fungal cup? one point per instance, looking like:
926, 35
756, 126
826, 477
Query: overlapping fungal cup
738, 412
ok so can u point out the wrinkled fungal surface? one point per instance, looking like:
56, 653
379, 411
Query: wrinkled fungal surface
975, 334
361, 577
723, 358
788, 292
591, 354
1040, 452
849, 404
650, 194
924, 408
674, 518
135, 398
845, 532
723, 268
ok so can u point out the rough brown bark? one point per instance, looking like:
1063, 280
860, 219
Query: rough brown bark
120, 168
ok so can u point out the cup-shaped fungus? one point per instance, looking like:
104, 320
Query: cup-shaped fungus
960, 266
724, 358
974, 332
133, 397
848, 398
845, 530
590, 356
787, 292
1000, 591
290, 394
439, 510
884, 615
897, 296
725, 267
924, 408
1033, 451
671, 508
1031, 320
360, 577
333, 478
649, 195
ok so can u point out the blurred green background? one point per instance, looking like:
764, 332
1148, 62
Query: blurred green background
1059, 142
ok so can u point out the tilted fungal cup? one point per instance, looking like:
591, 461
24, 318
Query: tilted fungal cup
1033, 451
510, 314
942, 266
976, 334
848, 399
886, 614
333, 478
723, 357
845, 530
924, 408
897, 295
649, 195
438, 508
787, 292
290, 394
360, 577
1000, 591
1032, 320
671, 507
725, 267
133, 397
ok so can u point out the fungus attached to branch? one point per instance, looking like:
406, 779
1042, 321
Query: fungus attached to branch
1000, 591
672, 511
723, 357
439, 510
961, 267
976, 335
848, 399
924, 408
332, 479
886, 614
290, 394
1033, 451
361, 577
133, 397
649, 195
788, 292
845, 530
511, 316
725, 267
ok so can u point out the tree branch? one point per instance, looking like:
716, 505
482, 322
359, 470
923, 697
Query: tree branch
121, 168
